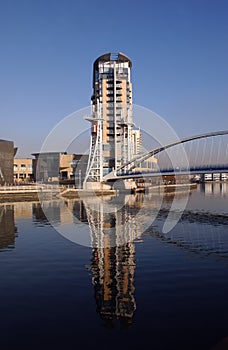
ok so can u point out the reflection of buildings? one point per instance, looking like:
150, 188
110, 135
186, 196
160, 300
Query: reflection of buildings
112, 233
224, 189
113, 277
214, 188
78, 209
23, 210
113, 230
47, 211
115, 225
113, 222
58, 212
38, 214
7, 227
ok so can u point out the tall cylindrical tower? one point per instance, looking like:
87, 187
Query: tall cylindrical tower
111, 116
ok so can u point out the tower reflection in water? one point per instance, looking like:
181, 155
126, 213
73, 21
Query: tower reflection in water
113, 279
8, 230
115, 224
112, 235
113, 259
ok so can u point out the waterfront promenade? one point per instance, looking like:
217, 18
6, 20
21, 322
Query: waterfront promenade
42, 191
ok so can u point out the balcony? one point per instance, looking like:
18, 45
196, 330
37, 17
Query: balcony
110, 105
111, 128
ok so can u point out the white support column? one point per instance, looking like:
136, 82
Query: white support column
100, 135
114, 111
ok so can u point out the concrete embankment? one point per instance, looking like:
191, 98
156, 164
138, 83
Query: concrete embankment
27, 193
77, 193
172, 187
34, 193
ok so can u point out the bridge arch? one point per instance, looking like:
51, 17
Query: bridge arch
142, 157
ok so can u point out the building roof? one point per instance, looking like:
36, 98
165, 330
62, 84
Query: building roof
117, 57
1, 140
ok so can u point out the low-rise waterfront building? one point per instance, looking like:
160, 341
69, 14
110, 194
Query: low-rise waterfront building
60, 166
23, 170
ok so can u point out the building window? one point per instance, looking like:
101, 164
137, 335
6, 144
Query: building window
106, 147
23, 167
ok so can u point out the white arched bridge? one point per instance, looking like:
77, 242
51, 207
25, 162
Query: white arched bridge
131, 169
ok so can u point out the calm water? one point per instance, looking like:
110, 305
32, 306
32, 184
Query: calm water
166, 290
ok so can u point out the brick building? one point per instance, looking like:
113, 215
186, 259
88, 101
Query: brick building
23, 170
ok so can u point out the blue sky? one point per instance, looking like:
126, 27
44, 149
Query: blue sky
179, 51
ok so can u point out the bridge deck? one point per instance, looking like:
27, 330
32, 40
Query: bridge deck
209, 169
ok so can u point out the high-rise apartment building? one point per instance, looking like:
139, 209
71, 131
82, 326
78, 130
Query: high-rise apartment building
136, 141
111, 116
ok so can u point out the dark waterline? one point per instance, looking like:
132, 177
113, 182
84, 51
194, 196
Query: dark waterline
162, 291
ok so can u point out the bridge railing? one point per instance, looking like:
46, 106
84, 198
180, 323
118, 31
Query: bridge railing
195, 168
28, 188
